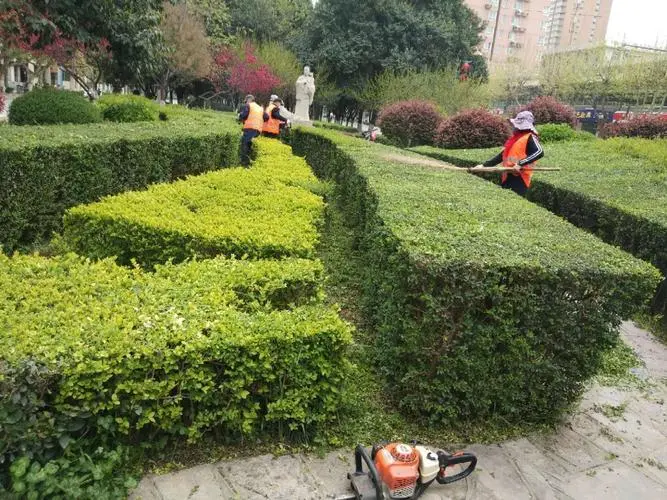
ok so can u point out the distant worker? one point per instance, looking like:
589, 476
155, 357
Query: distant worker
276, 122
253, 117
520, 153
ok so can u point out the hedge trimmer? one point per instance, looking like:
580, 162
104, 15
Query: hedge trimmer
401, 471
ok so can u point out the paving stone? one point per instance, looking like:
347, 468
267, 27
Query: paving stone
615, 481
197, 483
571, 450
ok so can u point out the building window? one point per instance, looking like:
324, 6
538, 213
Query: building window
54, 78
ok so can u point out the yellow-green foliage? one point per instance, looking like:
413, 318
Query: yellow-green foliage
110, 353
258, 213
128, 108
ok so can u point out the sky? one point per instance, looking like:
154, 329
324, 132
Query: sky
639, 21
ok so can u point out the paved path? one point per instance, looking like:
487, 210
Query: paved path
613, 447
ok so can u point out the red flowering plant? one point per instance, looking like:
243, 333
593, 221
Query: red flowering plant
240, 72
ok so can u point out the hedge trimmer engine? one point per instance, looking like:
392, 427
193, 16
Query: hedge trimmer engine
401, 471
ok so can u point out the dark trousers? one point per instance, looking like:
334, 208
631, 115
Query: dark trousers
269, 134
246, 145
515, 183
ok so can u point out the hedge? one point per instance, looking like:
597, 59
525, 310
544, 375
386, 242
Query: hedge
483, 304
235, 211
94, 352
45, 170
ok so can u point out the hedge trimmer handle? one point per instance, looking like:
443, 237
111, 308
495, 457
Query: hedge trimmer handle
455, 459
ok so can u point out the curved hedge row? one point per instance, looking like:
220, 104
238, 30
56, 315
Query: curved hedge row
484, 305
613, 188
242, 212
110, 355
45, 170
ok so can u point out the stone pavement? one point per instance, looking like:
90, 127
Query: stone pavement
613, 447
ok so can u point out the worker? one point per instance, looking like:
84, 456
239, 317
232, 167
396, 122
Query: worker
253, 117
274, 125
520, 153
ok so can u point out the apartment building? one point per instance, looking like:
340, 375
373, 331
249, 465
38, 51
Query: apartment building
524, 30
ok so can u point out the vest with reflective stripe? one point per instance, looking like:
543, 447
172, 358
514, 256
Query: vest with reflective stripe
272, 126
517, 153
255, 120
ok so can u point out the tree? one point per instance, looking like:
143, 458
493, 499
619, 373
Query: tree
131, 28
268, 20
216, 17
285, 66
238, 71
186, 55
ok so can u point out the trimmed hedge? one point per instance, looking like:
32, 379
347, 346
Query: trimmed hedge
647, 126
235, 211
613, 188
101, 354
46, 170
484, 305
336, 126
49, 106
128, 108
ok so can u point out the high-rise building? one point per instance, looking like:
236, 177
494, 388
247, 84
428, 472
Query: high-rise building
526, 29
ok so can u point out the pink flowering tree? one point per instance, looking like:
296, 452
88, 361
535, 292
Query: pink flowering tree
239, 72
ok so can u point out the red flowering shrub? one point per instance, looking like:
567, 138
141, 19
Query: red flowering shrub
409, 123
243, 73
547, 109
473, 128
647, 126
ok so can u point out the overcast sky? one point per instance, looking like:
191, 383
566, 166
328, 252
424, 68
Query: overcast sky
640, 21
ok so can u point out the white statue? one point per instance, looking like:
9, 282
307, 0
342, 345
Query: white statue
305, 90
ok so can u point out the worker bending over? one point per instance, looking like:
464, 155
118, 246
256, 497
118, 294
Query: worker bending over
276, 122
253, 117
520, 153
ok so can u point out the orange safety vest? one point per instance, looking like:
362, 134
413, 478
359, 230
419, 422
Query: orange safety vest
272, 126
255, 120
517, 153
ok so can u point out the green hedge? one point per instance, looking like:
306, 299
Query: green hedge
232, 212
104, 355
128, 108
613, 188
336, 126
49, 106
45, 170
484, 305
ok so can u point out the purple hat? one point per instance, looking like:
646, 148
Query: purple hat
524, 121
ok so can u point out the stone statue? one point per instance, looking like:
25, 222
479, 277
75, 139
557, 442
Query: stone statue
305, 90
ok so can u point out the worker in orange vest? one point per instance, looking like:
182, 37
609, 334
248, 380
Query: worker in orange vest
253, 117
520, 153
276, 122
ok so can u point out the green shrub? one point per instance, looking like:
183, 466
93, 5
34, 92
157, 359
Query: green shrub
232, 212
556, 132
46, 170
93, 354
128, 108
483, 304
48, 106
613, 188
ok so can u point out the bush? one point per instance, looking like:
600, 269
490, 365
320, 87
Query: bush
232, 212
484, 305
410, 123
548, 109
48, 106
9, 90
128, 108
553, 132
647, 126
475, 128
99, 355
46, 170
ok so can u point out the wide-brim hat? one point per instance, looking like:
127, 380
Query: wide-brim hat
524, 120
